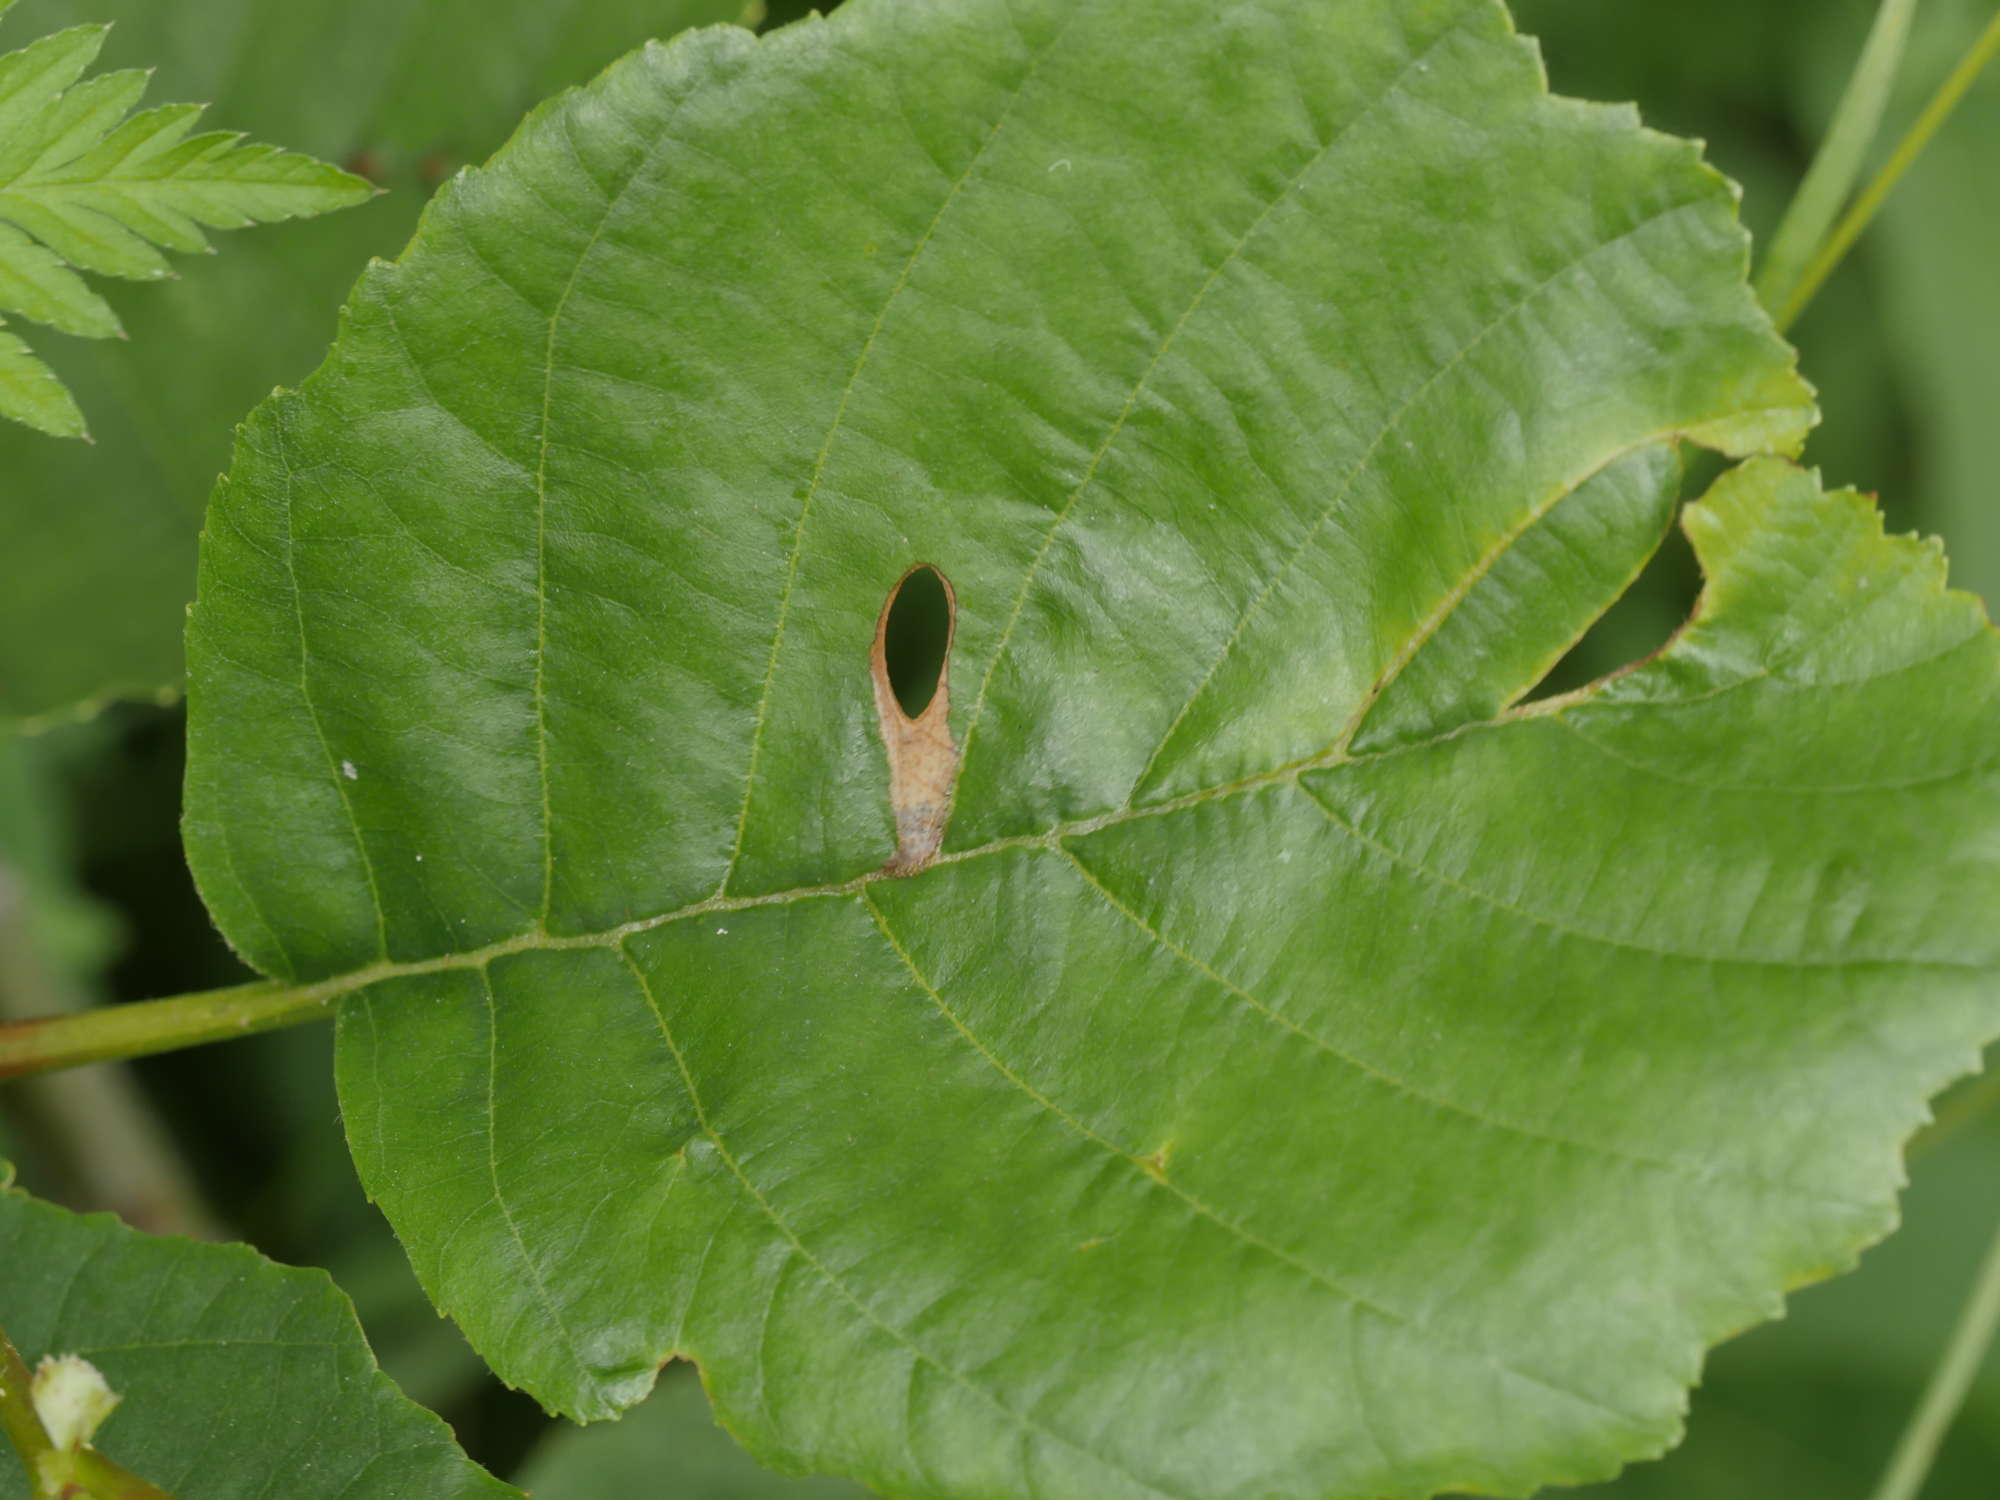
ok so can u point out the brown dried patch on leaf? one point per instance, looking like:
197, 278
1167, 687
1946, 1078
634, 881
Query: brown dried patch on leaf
923, 760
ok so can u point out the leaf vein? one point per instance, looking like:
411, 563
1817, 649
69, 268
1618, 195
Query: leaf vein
1318, 156
1203, 1209
1629, 945
535, 1278
319, 725
797, 544
1693, 1171
1365, 463
1763, 788
838, 1283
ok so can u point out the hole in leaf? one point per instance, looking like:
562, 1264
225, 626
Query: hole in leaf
910, 667
1638, 626
916, 637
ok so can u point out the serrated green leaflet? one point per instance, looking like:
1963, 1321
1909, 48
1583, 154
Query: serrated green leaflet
1300, 1074
238, 1378
87, 183
359, 81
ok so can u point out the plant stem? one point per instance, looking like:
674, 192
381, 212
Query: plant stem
18, 1417
1837, 166
1858, 217
148, 1026
1918, 1446
101, 1479
93, 1134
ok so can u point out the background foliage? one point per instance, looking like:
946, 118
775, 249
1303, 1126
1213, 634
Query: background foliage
404, 92
1900, 345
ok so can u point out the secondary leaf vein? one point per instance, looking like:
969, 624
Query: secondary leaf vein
1203, 1209
797, 545
838, 1283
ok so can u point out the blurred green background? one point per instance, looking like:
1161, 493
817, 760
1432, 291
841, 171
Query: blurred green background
1904, 346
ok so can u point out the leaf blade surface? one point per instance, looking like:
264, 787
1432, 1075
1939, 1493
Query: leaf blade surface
1227, 1111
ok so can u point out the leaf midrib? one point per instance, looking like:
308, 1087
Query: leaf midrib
1053, 838
534, 939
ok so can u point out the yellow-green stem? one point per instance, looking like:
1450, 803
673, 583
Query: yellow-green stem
148, 1026
18, 1418
90, 1474
1837, 165
1858, 217
1970, 1341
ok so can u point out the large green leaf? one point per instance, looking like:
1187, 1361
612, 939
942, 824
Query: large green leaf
1301, 1074
97, 545
239, 1378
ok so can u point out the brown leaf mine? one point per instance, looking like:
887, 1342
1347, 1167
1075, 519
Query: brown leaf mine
910, 665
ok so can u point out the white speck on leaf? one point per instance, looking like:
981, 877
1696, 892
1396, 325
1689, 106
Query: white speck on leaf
1060, 164
348, 770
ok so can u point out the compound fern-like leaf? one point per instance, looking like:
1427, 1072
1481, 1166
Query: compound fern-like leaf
86, 184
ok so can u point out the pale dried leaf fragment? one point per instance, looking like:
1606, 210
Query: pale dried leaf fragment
72, 1398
